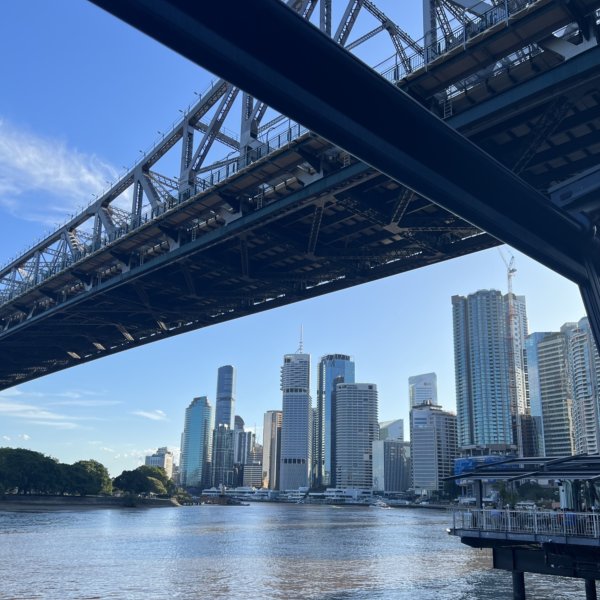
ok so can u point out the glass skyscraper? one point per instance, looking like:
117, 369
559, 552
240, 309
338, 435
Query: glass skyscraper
332, 369
489, 338
225, 406
222, 457
196, 444
533, 379
296, 430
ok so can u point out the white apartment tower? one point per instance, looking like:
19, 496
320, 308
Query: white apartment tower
162, 458
556, 394
433, 447
584, 365
356, 428
296, 430
489, 338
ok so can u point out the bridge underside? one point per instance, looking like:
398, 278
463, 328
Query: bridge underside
349, 226
326, 220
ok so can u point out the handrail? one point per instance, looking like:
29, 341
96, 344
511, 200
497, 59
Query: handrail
537, 522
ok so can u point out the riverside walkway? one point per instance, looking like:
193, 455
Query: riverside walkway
564, 543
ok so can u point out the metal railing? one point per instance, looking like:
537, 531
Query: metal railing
535, 522
393, 69
274, 139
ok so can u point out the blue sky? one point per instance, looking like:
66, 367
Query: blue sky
82, 94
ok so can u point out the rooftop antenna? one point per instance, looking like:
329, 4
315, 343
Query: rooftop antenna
301, 346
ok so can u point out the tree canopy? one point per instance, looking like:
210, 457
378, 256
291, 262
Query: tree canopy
144, 480
28, 472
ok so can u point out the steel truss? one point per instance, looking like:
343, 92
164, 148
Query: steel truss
209, 196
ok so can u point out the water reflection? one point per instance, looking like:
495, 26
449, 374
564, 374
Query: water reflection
260, 551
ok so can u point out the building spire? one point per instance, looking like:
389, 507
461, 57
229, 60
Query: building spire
301, 346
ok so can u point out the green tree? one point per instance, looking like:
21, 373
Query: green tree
28, 472
92, 477
144, 480
161, 475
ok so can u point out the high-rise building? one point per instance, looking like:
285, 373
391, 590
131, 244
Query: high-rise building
356, 428
433, 447
252, 476
391, 465
533, 385
225, 405
392, 430
222, 457
556, 394
332, 369
584, 366
162, 458
489, 336
296, 430
243, 446
196, 444
271, 449
422, 389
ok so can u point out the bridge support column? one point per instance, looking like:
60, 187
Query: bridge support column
518, 578
590, 589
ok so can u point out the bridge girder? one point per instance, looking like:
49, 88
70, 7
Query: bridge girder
334, 238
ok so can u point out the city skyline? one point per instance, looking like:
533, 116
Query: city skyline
121, 408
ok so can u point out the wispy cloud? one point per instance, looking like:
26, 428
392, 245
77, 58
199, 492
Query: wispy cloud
57, 424
55, 178
36, 415
83, 403
154, 415
81, 398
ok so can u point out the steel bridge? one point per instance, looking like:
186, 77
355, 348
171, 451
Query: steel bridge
287, 214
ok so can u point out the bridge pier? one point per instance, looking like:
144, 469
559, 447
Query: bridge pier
518, 579
590, 589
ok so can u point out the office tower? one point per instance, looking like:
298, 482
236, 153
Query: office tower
332, 369
162, 458
271, 449
252, 475
391, 465
392, 430
433, 447
196, 443
555, 391
533, 385
314, 481
222, 457
584, 365
225, 405
422, 389
489, 335
356, 428
238, 423
244, 442
296, 430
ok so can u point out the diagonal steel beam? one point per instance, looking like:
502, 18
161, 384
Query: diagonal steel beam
401, 138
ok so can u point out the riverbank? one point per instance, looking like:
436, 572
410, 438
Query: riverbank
50, 503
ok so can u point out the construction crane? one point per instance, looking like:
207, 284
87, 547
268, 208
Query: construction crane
510, 273
515, 409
